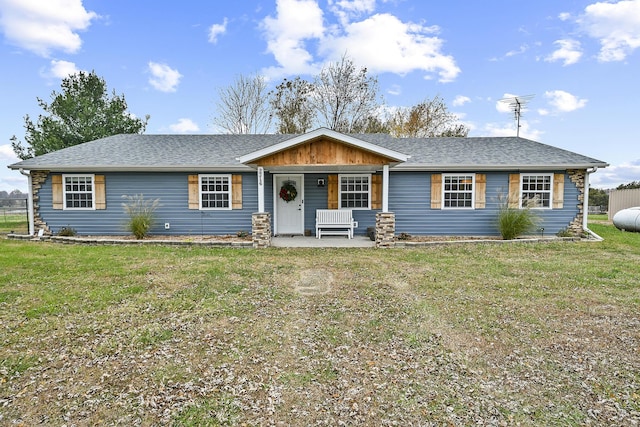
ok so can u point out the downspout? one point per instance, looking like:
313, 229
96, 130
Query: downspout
585, 204
29, 201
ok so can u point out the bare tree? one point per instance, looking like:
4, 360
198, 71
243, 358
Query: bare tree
291, 106
344, 97
430, 118
243, 107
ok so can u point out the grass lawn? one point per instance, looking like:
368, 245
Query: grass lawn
466, 334
598, 217
12, 222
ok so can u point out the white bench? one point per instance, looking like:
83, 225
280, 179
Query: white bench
335, 222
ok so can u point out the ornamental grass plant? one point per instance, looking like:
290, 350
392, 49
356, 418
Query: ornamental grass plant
141, 214
514, 222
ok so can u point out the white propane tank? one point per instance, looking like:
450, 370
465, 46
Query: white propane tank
627, 219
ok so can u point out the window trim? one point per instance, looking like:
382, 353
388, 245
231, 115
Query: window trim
472, 191
229, 192
64, 191
550, 191
352, 175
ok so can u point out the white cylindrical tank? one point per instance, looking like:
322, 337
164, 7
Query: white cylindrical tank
627, 219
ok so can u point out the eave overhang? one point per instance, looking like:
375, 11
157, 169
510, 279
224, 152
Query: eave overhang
135, 168
497, 168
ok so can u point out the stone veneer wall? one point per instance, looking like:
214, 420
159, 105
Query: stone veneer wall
385, 229
37, 180
261, 229
578, 178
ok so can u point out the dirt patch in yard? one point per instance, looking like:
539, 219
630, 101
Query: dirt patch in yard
314, 282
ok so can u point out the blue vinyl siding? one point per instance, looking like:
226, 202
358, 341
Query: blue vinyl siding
316, 198
171, 189
410, 200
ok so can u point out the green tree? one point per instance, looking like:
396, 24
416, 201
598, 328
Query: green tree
83, 111
629, 186
598, 197
291, 106
429, 118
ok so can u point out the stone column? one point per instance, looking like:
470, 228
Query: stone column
385, 229
261, 229
37, 180
578, 178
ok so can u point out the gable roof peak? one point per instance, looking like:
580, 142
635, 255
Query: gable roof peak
347, 139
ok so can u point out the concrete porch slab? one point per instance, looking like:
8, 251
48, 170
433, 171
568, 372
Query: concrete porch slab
325, 242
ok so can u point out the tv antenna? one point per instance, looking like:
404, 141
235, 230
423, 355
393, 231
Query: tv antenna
517, 104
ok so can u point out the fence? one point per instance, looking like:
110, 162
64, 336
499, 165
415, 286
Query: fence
14, 216
622, 199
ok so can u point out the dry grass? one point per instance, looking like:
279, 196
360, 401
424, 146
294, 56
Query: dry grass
523, 334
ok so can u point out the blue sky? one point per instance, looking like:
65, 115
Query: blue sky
580, 60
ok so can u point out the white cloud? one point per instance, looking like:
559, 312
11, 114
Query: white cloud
460, 100
217, 29
615, 25
286, 34
184, 126
385, 44
163, 77
504, 129
564, 102
43, 26
613, 176
7, 154
522, 49
381, 42
568, 51
503, 105
62, 69
394, 90
348, 9
564, 16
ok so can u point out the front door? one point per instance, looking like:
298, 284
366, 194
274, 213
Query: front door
289, 204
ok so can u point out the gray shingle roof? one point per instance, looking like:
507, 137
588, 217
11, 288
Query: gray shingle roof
220, 152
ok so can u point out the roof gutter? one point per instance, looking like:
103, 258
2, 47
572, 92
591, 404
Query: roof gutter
480, 167
29, 201
585, 205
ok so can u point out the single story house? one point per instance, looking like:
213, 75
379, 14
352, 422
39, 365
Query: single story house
273, 184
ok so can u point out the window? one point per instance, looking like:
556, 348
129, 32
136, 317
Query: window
535, 190
355, 191
215, 191
457, 191
78, 192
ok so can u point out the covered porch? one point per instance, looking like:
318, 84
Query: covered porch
336, 170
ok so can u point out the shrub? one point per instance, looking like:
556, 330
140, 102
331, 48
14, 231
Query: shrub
141, 214
514, 222
67, 231
565, 232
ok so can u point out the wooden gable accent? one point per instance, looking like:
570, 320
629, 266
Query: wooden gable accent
323, 152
